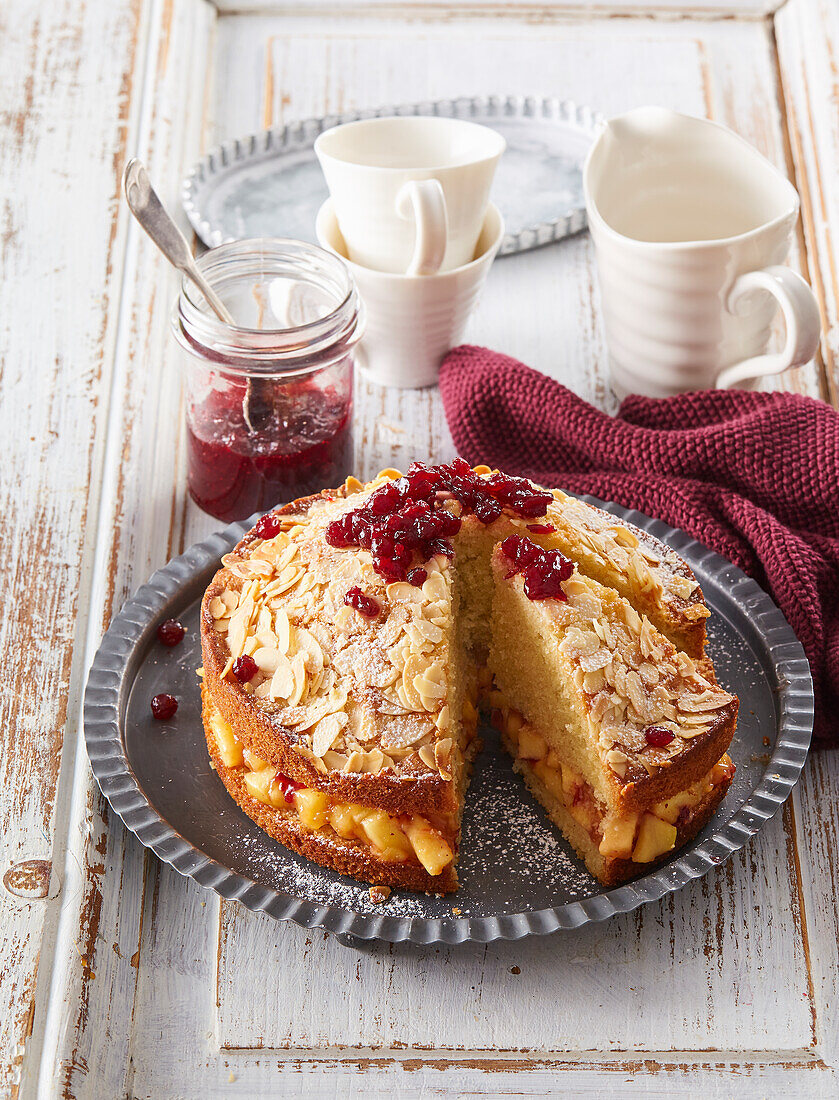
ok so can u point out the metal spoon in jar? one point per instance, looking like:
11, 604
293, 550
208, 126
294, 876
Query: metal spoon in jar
145, 205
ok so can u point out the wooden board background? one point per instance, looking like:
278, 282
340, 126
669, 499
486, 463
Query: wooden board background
126, 980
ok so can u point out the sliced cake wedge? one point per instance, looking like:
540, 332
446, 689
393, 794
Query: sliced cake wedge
616, 732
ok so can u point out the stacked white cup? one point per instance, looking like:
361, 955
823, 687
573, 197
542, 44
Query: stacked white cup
409, 212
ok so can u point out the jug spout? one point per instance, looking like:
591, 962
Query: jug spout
659, 176
627, 135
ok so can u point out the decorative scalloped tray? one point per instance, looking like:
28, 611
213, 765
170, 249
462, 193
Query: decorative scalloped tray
270, 184
518, 876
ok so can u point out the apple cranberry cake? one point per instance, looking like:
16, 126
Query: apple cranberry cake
350, 638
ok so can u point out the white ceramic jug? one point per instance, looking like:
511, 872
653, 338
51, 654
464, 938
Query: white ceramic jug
691, 227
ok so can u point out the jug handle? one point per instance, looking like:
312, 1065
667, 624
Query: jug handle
801, 317
425, 202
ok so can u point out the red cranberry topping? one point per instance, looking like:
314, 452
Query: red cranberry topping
268, 526
244, 668
541, 528
365, 605
417, 577
658, 736
407, 522
544, 570
287, 786
163, 706
170, 632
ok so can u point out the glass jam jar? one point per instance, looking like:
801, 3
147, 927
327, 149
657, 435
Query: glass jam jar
268, 402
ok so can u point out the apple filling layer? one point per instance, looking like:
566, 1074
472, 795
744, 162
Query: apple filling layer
641, 837
398, 839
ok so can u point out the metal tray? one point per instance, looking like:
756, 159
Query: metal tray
270, 184
518, 876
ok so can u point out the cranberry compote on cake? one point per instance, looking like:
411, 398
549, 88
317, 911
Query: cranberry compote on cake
408, 521
363, 604
544, 570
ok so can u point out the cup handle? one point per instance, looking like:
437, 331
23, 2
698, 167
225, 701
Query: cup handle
801, 316
424, 201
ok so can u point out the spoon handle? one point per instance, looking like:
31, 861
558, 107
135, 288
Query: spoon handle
149, 211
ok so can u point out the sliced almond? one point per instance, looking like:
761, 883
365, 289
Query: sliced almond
326, 733
426, 755
218, 608
267, 658
372, 761
355, 762
683, 587
434, 587
403, 734
415, 666
236, 634
635, 692
618, 761
308, 645
623, 537
419, 642
229, 598
334, 761
298, 668
442, 757
402, 592
282, 681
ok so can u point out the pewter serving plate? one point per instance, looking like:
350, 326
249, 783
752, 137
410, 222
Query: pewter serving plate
518, 876
270, 184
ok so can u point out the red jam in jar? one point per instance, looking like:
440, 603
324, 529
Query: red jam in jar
303, 448
269, 404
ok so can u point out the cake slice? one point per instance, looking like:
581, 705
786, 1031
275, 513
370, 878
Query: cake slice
616, 732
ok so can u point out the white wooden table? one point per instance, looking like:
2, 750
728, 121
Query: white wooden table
118, 978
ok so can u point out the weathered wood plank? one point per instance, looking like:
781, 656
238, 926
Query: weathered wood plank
60, 245
86, 1029
176, 984
524, 9
816, 801
807, 34
690, 973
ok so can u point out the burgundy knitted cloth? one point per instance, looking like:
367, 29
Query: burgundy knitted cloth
755, 476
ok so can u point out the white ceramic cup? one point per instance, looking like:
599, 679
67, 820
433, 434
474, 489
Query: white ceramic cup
412, 321
691, 226
410, 193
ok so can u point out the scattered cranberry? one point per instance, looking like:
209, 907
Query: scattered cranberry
544, 570
407, 522
365, 605
163, 706
417, 577
541, 528
170, 632
288, 786
658, 736
268, 526
244, 668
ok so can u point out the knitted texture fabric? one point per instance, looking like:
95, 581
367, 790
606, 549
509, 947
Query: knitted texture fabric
754, 476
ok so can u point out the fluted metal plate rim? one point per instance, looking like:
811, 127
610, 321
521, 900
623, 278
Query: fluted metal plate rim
117, 659
213, 168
